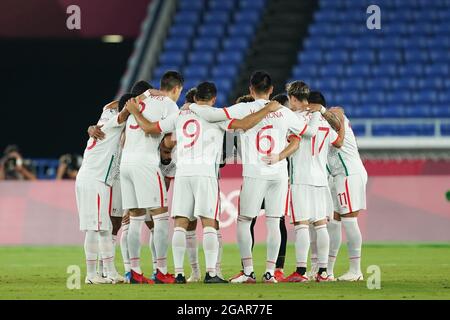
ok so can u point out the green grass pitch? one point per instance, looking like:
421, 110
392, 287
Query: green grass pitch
408, 271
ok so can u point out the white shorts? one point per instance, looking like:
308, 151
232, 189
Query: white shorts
274, 193
349, 193
142, 187
310, 203
94, 202
116, 210
195, 197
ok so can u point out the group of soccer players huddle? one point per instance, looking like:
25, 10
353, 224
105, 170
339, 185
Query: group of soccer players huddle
300, 160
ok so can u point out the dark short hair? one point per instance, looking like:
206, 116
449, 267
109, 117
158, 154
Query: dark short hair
298, 89
246, 98
124, 98
189, 97
140, 87
281, 98
206, 91
170, 80
260, 81
317, 97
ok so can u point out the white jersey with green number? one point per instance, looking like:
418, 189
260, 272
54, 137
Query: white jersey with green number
101, 158
267, 137
308, 163
346, 160
199, 143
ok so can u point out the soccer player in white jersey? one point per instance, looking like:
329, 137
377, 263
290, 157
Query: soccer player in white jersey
94, 184
261, 181
310, 196
142, 181
348, 186
196, 189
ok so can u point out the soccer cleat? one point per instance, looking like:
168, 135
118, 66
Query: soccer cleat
241, 273
296, 277
331, 277
279, 275
180, 279
215, 279
195, 277
97, 279
127, 277
162, 278
268, 278
244, 278
117, 279
351, 276
322, 277
153, 276
137, 278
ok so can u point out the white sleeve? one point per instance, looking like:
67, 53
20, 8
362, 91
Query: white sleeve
333, 136
224, 125
297, 125
114, 123
168, 124
209, 114
237, 111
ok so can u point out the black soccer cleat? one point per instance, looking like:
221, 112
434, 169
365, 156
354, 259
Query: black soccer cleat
215, 279
180, 279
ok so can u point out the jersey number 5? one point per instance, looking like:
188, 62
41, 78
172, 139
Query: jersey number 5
194, 135
260, 136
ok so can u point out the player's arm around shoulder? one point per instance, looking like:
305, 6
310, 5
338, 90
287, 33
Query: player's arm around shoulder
339, 114
210, 114
253, 119
147, 126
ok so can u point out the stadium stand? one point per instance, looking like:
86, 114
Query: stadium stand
209, 44
399, 72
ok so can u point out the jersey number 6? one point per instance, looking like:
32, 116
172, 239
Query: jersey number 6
267, 137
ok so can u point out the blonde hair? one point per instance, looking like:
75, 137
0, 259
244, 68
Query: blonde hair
298, 89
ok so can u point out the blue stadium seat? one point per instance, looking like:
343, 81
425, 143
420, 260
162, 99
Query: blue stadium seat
182, 31
172, 57
230, 57
206, 44
211, 30
195, 71
201, 57
337, 57
445, 129
244, 30
236, 43
176, 44
221, 5
218, 17
224, 71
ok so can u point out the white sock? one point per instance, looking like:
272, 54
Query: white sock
178, 249
107, 253
335, 232
124, 248
354, 242
313, 245
219, 256
134, 242
273, 242
301, 245
244, 238
151, 244
161, 240
91, 251
192, 250
211, 249
323, 245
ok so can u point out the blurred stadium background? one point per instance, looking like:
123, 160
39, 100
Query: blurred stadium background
394, 84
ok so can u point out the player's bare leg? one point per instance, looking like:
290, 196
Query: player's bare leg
335, 232
160, 218
192, 250
323, 248
279, 272
302, 242
151, 244
137, 219
211, 250
354, 242
179, 247
244, 238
